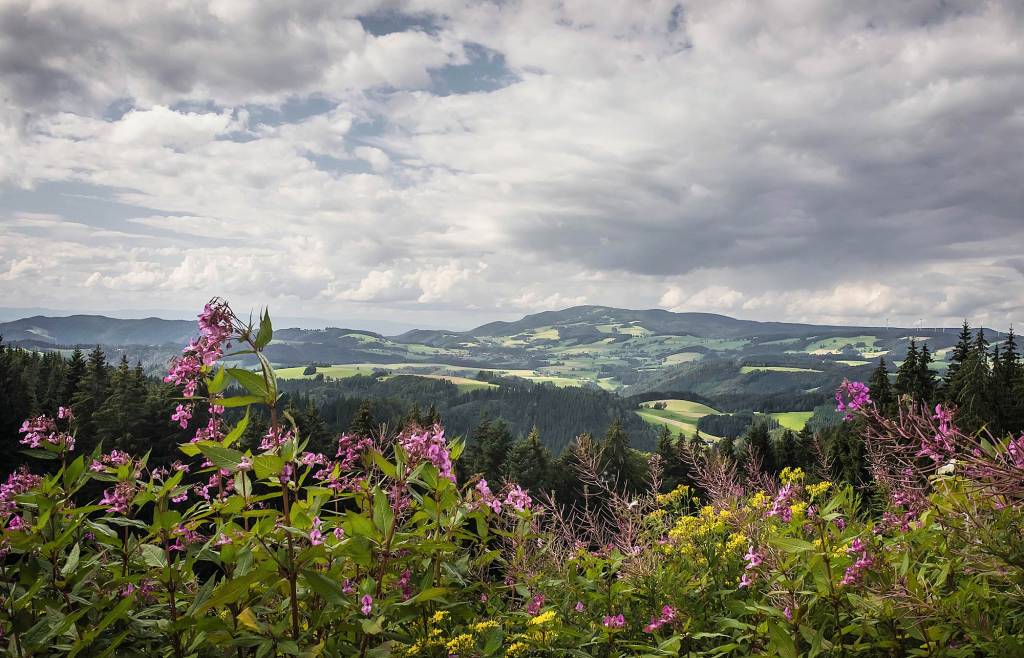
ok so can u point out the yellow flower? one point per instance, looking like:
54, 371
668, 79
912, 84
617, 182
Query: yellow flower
676, 495
656, 515
460, 644
517, 649
818, 489
542, 618
792, 475
737, 541
439, 617
798, 510
760, 500
484, 626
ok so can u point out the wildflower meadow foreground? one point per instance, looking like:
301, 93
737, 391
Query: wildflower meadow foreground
379, 549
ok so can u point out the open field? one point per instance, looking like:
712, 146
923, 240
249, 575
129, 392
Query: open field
837, 344
749, 369
793, 420
678, 415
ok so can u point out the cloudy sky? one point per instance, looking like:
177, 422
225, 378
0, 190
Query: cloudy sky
444, 163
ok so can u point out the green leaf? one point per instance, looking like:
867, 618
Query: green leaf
266, 331
325, 587
792, 544
267, 465
218, 382
237, 431
240, 401
72, 561
784, 644
220, 456
251, 381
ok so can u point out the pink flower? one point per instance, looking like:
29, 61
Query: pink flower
429, 445
119, 498
787, 612
580, 607
347, 587
65, 413
367, 604
316, 538
536, 603
667, 616
614, 621
182, 415
852, 396
339, 533
16, 523
518, 498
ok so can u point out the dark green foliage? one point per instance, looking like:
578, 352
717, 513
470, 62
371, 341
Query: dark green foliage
488, 449
529, 464
364, 423
908, 372
758, 448
881, 387
621, 464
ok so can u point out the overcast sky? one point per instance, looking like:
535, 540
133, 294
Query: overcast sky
442, 163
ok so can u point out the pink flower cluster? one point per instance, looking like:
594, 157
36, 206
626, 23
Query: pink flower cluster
114, 459
316, 538
940, 447
183, 536
536, 603
215, 330
429, 445
667, 616
44, 429
754, 560
855, 573
518, 498
781, 506
405, 584
614, 621
275, 438
17, 483
366, 604
119, 498
487, 498
852, 396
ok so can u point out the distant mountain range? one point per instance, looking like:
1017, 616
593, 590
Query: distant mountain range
632, 351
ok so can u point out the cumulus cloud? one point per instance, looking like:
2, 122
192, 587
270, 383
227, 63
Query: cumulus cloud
451, 161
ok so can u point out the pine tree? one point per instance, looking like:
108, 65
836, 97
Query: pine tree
727, 447
415, 416
364, 424
75, 372
432, 418
925, 380
759, 444
529, 464
906, 375
881, 388
619, 463
1008, 383
90, 395
675, 469
960, 353
970, 390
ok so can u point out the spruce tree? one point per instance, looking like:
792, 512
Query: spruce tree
759, 443
89, 397
924, 383
906, 375
881, 388
970, 390
960, 353
75, 372
529, 464
1009, 383
364, 424
619, 463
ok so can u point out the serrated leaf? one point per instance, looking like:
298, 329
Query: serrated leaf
250, 381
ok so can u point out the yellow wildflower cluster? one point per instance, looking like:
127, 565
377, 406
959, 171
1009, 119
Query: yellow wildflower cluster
460, 644
689, 530
657, 515
484, 626
423, 648
673, 497
543, 618
792, 475
737, 541
798, 510
517, 649
439, 617
821, 488
759, 500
